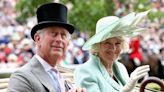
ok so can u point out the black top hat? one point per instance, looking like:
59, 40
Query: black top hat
52, 14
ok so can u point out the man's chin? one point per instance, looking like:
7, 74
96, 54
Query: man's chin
57, 54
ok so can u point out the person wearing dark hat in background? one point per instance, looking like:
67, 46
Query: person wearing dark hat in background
51, 35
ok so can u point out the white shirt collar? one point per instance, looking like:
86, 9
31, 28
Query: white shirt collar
47, 67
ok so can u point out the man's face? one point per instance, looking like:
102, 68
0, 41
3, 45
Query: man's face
53, 42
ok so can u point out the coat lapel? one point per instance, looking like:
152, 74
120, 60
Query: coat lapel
42, 75
105, 74
117, 73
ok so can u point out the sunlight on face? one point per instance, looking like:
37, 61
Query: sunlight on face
54, 41
110, 49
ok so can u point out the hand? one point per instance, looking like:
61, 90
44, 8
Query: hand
137, 74
78, 90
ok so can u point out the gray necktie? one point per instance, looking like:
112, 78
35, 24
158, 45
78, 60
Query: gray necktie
55, 80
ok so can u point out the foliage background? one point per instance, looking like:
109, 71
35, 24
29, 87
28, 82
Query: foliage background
84, 13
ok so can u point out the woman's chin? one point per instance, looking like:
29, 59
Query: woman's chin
112, 58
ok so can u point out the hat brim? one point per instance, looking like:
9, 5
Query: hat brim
125, 26
102, 36
70, 28
99, 37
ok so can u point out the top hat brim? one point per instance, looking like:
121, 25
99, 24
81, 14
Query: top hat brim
70, 28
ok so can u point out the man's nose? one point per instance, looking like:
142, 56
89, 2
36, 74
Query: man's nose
58, 37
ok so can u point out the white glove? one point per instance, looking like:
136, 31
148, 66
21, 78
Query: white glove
137, 74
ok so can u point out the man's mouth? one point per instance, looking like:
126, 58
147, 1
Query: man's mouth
57, 48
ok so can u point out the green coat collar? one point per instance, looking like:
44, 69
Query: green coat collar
106, 76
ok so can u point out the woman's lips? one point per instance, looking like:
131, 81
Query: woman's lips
110, 52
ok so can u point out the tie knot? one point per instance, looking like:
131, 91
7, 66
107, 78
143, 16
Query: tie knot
54, 70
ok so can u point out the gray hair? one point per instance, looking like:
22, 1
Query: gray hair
41, 31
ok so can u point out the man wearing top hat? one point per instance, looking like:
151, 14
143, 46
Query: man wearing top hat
51, 36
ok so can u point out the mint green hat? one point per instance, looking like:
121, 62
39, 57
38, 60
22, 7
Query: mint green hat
112, 26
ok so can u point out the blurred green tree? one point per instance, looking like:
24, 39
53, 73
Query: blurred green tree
84, 13
27, 8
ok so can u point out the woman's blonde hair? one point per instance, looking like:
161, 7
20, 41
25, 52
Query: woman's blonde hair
125, 45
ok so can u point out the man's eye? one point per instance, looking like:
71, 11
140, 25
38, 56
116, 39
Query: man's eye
53, 34
64, 35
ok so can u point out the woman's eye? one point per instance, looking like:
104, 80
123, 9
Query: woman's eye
118, 43
107, 43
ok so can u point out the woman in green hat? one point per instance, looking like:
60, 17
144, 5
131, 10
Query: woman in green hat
102, 72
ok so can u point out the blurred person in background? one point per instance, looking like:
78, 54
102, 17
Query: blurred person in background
135, 54
161, 64
51, 36
25, 52
12, 61
102, 72
161, 37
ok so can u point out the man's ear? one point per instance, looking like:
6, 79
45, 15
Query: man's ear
36, 37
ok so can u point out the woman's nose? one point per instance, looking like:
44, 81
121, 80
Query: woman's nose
113, 47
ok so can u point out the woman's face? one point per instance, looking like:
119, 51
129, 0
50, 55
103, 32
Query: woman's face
110, 49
